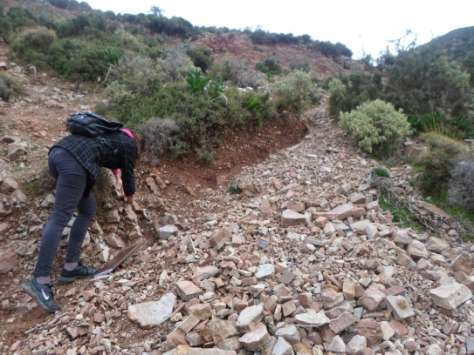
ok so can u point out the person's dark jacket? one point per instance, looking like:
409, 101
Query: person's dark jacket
113, 151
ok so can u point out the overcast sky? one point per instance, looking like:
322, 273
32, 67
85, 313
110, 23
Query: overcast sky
365, 26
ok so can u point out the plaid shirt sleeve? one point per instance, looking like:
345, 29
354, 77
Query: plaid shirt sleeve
128, 169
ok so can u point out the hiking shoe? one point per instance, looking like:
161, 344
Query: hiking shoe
42, 293
80, 272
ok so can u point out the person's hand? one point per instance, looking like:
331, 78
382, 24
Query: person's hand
129, 199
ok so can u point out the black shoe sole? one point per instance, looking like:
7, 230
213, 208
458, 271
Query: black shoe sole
27, 287
68, 279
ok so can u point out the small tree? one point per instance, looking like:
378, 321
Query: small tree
156, 11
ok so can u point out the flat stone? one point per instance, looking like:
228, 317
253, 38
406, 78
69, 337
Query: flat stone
400, 306
336, 345
188, 324
290, 333
401, 237
417, 249
205, 272
356, 345
232, 344
16, 151
470, 346
312, 319
435, 349
8, 261
250, 315
256, 339
341, 323
186, 350
387, 331
331, 298
282, 347
150, 314
370, 329
342, 212
288, 308
201, 310
264, 271
463, 262
8, 186
437, 245
221, 329
357, 197
372, 298
166, 232
220, 238
348, 289
450, 296
187, 290
292, 218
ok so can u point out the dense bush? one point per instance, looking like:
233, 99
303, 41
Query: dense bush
332, 50
94, 24
175, 26
351, 91
201, 58
461, 188
269, 67
422, 84
295, 92
438, 161
32, 46
71, 5
239, 73
376, 126
160, 136
9, 87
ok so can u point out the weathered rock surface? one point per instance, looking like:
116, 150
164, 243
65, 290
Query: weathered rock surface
150, 314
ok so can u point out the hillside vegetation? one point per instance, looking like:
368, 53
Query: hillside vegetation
159, 74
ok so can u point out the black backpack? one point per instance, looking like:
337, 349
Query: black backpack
89, 124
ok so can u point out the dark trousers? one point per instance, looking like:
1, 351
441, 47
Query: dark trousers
71, 181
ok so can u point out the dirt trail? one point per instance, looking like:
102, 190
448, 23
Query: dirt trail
305, 238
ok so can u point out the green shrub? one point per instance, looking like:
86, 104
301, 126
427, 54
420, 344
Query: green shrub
32, 46
83, 60
381, 172
351, 91
424, 84
376, 126
437, 162
295, 92
9, 87
238, 72
269, 66
201, 58
196, 81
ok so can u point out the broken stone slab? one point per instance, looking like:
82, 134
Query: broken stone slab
290, 333
400, 307
312, 319
450, 296
417, 249
356, 345
402, 237
372, 298
282, 347
463, 262
221, 330
292, 218
205, 272
187, 290
341, 323
166, 232
150, 314
8, 186
220, 238
250, 315
201, 310
8, 261
256, 339
186, 350
437, 245
264, 271
336, 345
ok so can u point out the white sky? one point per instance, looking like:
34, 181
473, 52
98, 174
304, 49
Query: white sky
365, 26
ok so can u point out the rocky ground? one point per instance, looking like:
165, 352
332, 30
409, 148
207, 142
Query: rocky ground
295, 256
